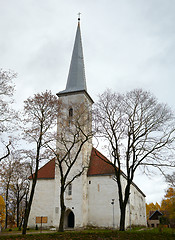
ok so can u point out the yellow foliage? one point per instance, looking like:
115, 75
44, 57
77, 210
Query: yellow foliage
168, 204
2, 211
151, 207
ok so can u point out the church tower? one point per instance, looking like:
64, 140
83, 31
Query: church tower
76, 104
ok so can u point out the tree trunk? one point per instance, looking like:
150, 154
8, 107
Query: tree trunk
63, 208
6, 216
27, 213
123, 205
26, 217
122, 202
6, 206
20, 225
23, 215
122, 217
17, 211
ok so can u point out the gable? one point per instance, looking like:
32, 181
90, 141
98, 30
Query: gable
155, 215
98, 164
47, 171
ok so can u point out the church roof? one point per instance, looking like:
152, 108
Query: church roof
47, 171
76, 79
96, 167
98, 164
154, 215
76, 82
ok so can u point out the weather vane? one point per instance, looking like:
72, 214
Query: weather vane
79, 16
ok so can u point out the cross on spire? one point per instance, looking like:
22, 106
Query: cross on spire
79, 16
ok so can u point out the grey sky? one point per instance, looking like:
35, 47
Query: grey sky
127, 44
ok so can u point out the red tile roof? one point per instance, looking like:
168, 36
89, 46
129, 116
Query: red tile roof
98, 164
47, 171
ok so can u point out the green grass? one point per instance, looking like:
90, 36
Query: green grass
15, 230
163, 230
97, 235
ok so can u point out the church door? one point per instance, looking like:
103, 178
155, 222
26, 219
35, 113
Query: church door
71, 220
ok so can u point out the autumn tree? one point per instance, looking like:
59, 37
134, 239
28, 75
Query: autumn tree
168, 205
20, 188
74, 133
151, 207
14, 174
137, 132
6, 173
2, 212
40, 114
7, 114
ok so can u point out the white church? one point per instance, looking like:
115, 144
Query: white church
92, 199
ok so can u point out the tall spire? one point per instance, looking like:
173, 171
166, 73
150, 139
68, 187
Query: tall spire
76, 79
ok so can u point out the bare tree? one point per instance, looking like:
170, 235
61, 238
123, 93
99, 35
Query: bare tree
138, 132
14, 180
170, 178
19, 187
74, 132
6, 112
41, 113
6, 173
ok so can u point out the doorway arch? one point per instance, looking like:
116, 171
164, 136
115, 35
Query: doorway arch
70, 220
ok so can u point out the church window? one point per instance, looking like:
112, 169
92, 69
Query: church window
56, 210
98, 187
89, 182
70, 189
70, 112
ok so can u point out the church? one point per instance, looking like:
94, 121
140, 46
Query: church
91, 200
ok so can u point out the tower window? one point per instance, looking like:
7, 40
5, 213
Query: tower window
56, 210
70, 189
70, 112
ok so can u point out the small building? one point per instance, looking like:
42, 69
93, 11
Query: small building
154, 219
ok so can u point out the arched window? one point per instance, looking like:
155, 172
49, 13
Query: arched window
70, 112
70, 189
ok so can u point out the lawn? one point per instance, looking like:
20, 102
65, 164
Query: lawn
97, 234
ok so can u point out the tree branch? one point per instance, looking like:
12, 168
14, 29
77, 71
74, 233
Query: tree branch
8, 151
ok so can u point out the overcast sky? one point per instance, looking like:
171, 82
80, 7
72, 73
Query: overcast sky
127, 44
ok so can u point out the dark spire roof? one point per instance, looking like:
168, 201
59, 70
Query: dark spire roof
76, 79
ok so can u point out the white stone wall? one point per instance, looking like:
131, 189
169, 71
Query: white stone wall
75, 202
78, 202
91, 207
101, 191
137, 213
43, 202
56, 202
